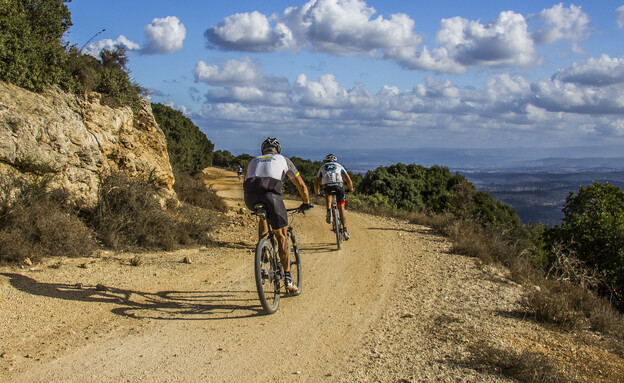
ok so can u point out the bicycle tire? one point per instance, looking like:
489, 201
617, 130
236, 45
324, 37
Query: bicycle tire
295, 262
337, 227
266, 266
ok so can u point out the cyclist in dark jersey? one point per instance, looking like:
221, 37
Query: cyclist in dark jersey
263, 183
332, 175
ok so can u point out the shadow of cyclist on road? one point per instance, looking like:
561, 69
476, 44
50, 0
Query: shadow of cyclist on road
169, 305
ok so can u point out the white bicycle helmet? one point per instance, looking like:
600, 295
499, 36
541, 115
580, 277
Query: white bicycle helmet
330, 158
271, 143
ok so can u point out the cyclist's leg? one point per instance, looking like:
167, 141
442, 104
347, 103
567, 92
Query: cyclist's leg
340, 200
343, 215
278, 218
263, 229
284, 249
251, 199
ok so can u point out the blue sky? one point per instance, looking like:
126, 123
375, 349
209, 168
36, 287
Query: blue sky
353, 74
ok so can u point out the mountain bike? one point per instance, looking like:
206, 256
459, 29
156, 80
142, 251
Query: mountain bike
336, 221
268, 269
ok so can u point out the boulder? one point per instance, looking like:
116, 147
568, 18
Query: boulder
78, 140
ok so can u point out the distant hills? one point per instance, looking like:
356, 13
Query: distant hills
543, 159
538, 196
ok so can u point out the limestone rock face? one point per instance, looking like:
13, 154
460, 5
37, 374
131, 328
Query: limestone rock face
80, 140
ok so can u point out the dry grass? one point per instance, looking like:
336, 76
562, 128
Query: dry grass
128, 216
36, 224
193, 190
523, 366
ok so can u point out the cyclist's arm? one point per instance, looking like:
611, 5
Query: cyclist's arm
303, 189
348, 179
317, 186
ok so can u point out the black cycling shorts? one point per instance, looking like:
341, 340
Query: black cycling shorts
338, 189
276, 211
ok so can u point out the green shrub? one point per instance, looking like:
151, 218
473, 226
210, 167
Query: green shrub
593, 228
189, 149
32, 54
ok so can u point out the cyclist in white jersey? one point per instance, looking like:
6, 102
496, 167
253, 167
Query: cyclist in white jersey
332, 175
263, 183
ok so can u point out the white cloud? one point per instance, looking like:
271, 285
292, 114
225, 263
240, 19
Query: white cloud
558, 96
561, 23
243, 81
95, 48
232, 72
347, 27
562, 105
250, 32
351, 27
502, 42
342, 27
164, 35
619, 16
506, 88
593, 86
604, 71
324, 92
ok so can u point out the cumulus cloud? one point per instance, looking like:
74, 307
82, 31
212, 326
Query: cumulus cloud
342, 27
251, 32
503, 42
580, 100
619, 16
348, 27
95, 48
164, 35
242, 81
559, 23
231, 73
588, 87
604, 71
558, 96
351, 27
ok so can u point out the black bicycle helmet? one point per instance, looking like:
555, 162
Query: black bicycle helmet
271, 143
330, 158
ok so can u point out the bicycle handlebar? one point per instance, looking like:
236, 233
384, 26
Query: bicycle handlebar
301, 208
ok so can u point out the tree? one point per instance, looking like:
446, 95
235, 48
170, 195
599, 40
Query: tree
593, 227
189, 148
32, 53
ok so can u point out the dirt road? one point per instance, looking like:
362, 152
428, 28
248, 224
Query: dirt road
392, 305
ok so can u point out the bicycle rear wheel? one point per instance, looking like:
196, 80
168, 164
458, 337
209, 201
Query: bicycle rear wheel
337, 227
295, 262
267, 276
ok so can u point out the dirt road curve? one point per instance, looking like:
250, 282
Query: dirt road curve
392, 305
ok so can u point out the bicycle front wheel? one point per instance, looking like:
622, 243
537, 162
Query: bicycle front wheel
267, 276
295, 262
337, 228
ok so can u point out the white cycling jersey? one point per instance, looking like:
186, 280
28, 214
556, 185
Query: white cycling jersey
331, 173
265, 173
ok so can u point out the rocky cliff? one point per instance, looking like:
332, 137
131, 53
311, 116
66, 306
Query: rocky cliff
79, 140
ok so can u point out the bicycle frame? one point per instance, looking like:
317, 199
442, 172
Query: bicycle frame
336, 221
269, 271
